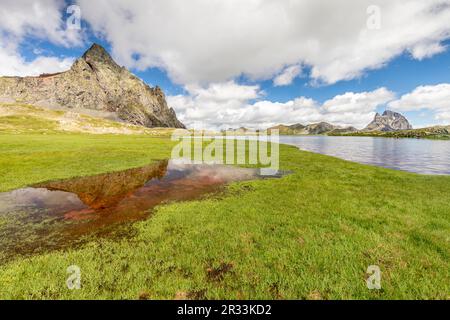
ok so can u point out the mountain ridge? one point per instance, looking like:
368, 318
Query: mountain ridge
95, 84
311, 129
389, 121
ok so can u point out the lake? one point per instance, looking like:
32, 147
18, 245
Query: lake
413, 155
58, 214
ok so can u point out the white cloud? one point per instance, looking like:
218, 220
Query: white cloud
13, 64
215, 40
287, 76
39, 20
444, 117
219, 105
358, 102
204, 45
427, 50
230, 105
225, 92
434, 99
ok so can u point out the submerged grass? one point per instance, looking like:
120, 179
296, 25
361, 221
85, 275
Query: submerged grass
309, 235
31, 158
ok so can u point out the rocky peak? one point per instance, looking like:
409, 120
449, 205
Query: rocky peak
318, 128
388, 121
96, 85
96, 54
392, 114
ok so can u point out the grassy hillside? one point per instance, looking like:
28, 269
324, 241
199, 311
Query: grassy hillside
309, 235
289, 130
439, 133
23, 118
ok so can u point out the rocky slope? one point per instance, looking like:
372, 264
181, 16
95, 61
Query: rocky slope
95, 85
388, 121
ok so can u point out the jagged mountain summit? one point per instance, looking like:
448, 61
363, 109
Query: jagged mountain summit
388, 121
96, 85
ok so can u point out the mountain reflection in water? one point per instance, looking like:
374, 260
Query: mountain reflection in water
57, 214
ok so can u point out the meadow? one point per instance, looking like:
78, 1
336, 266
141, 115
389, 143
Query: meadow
309, 235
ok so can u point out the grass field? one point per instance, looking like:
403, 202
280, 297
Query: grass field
31, 158
18, 118
309, 235
433, 133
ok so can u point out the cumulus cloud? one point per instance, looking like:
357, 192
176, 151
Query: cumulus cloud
40, 20
287, 76
431, 98
230, 105
358, 102
214, 41
218, 105
12, 64
427, 50
204, 45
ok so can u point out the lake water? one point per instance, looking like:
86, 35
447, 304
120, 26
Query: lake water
59, 214
413, 155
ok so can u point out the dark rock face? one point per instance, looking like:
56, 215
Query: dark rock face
389, 121
95, 83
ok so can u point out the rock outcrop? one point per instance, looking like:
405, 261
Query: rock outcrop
95, 84
388, 121
312, 129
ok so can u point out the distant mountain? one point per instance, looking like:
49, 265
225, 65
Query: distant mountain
435, 132
388, 121
241, 130
312, 129
289, 130
343, 130
95, 85
394, 125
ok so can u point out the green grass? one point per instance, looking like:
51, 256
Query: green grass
21, 118
26, 122
32, 158
433, 133
311, 234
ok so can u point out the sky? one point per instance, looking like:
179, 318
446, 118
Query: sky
254, 63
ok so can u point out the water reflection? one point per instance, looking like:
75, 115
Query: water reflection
414, 155
55, 214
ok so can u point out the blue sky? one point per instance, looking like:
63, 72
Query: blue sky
226, 77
